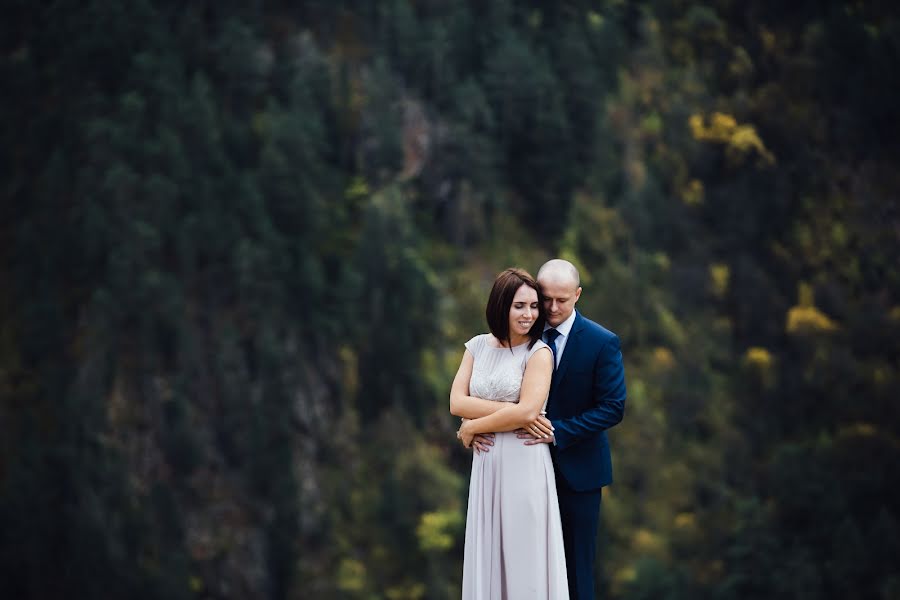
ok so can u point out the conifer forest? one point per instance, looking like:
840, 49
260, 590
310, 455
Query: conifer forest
242, 244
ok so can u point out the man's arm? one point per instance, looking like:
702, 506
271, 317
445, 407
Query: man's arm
609, 399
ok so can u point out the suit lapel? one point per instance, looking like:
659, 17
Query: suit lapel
568, 354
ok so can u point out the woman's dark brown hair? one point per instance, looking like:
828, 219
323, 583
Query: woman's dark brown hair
497, 312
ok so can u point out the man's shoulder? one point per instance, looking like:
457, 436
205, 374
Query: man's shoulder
595, 330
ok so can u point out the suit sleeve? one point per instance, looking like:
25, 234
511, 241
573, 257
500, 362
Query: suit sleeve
609, 399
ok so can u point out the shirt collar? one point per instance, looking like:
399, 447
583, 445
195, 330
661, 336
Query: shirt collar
565, 327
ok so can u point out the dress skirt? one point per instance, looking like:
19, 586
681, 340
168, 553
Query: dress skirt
514, 543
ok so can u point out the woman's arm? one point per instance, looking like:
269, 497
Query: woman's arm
461, 403
535, 388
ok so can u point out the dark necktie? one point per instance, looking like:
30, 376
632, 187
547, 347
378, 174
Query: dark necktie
550, 337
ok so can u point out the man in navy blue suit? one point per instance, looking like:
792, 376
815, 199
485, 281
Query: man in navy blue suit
587, 397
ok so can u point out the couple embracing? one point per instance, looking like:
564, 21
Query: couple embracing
537, 395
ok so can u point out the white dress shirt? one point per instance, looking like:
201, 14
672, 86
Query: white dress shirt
564, 329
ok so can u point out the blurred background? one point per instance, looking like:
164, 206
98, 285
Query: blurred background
242, 243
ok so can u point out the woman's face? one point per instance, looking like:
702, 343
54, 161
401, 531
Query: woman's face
524, 311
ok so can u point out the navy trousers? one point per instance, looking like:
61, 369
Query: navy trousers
580, 515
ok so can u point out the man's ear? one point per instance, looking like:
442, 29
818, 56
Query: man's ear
577, 294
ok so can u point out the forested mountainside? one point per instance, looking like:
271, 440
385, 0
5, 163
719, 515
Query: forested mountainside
242, 243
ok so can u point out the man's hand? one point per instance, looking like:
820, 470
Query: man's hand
482, 442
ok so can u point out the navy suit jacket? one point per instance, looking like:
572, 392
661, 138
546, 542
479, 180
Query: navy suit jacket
587, 397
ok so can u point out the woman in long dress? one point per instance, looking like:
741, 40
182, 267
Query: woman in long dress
514, 544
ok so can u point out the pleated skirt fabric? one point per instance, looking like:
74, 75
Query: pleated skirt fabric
514, 545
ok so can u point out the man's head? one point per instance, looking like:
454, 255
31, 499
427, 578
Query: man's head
561, 288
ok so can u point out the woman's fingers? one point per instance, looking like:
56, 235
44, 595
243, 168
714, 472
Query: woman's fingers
536, 431
544, 429
540, 427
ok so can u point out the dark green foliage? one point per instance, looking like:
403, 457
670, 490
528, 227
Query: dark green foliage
241, 245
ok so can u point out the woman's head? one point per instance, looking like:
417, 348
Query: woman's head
515, 307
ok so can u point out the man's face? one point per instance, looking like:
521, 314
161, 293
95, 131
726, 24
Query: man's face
560, 296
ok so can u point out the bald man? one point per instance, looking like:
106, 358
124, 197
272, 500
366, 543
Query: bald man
587, 397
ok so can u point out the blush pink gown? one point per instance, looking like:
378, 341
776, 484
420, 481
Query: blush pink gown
514, 543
